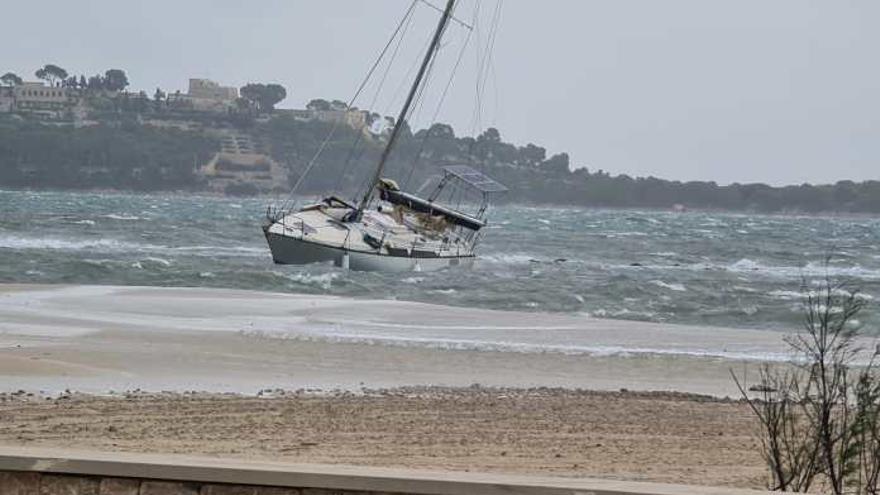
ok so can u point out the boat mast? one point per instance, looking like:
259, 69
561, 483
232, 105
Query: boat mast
401, 118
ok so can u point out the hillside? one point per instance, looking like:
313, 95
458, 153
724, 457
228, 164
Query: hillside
169, 153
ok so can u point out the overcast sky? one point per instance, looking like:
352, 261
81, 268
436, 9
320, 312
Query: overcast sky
781, 91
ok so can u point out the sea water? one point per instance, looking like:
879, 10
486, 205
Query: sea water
709, 268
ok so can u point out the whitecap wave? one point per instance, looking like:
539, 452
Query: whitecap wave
114, 216
508, 258
672, 287
665, 254
160, 261
324, 280
17, 242
800, 295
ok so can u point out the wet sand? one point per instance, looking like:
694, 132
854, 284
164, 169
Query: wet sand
663, 437
95, 339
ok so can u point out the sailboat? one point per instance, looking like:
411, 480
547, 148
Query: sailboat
389, 229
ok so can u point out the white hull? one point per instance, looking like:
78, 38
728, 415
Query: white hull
290, 250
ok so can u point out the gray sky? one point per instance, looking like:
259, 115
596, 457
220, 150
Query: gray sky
781, 91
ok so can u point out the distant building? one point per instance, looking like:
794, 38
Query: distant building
209, 90
7, 99
206, 96
35, 98
356, 119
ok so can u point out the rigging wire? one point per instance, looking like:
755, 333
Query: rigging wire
372, 105
451, 17
422, 145
288, 202
401, 86
484, 65
491, 58
430, 55
486, 62
418, 99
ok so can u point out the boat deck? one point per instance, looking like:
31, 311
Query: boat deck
323, 225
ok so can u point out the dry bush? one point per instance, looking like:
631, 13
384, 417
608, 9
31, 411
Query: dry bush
820, 417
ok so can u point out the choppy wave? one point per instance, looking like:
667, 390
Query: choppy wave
111, 245
711, 269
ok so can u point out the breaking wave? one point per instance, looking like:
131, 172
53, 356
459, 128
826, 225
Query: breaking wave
519, 347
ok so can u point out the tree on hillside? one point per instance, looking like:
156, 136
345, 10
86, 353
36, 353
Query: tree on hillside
263, 96
273, 94
490, 135
531, 155
441, 131
318, 104
51, 74
115, 80
251, 93
10, 79
95, 83
557, 164
83, 83
159, 97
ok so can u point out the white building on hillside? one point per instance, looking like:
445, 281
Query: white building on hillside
209, 90
207, 96
36, 98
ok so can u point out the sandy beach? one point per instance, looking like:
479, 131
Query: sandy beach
662, 437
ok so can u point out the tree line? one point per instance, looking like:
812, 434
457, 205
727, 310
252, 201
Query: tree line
533, 175
56, 76
127, 156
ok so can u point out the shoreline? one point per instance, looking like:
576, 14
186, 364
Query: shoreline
269, 197
100, 338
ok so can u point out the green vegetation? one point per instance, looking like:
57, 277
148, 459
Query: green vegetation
51, 74
263, 97
123, 157
10, 79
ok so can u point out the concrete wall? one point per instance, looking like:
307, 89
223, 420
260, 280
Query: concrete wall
49, 472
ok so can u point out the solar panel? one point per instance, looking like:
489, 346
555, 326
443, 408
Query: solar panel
474, 178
